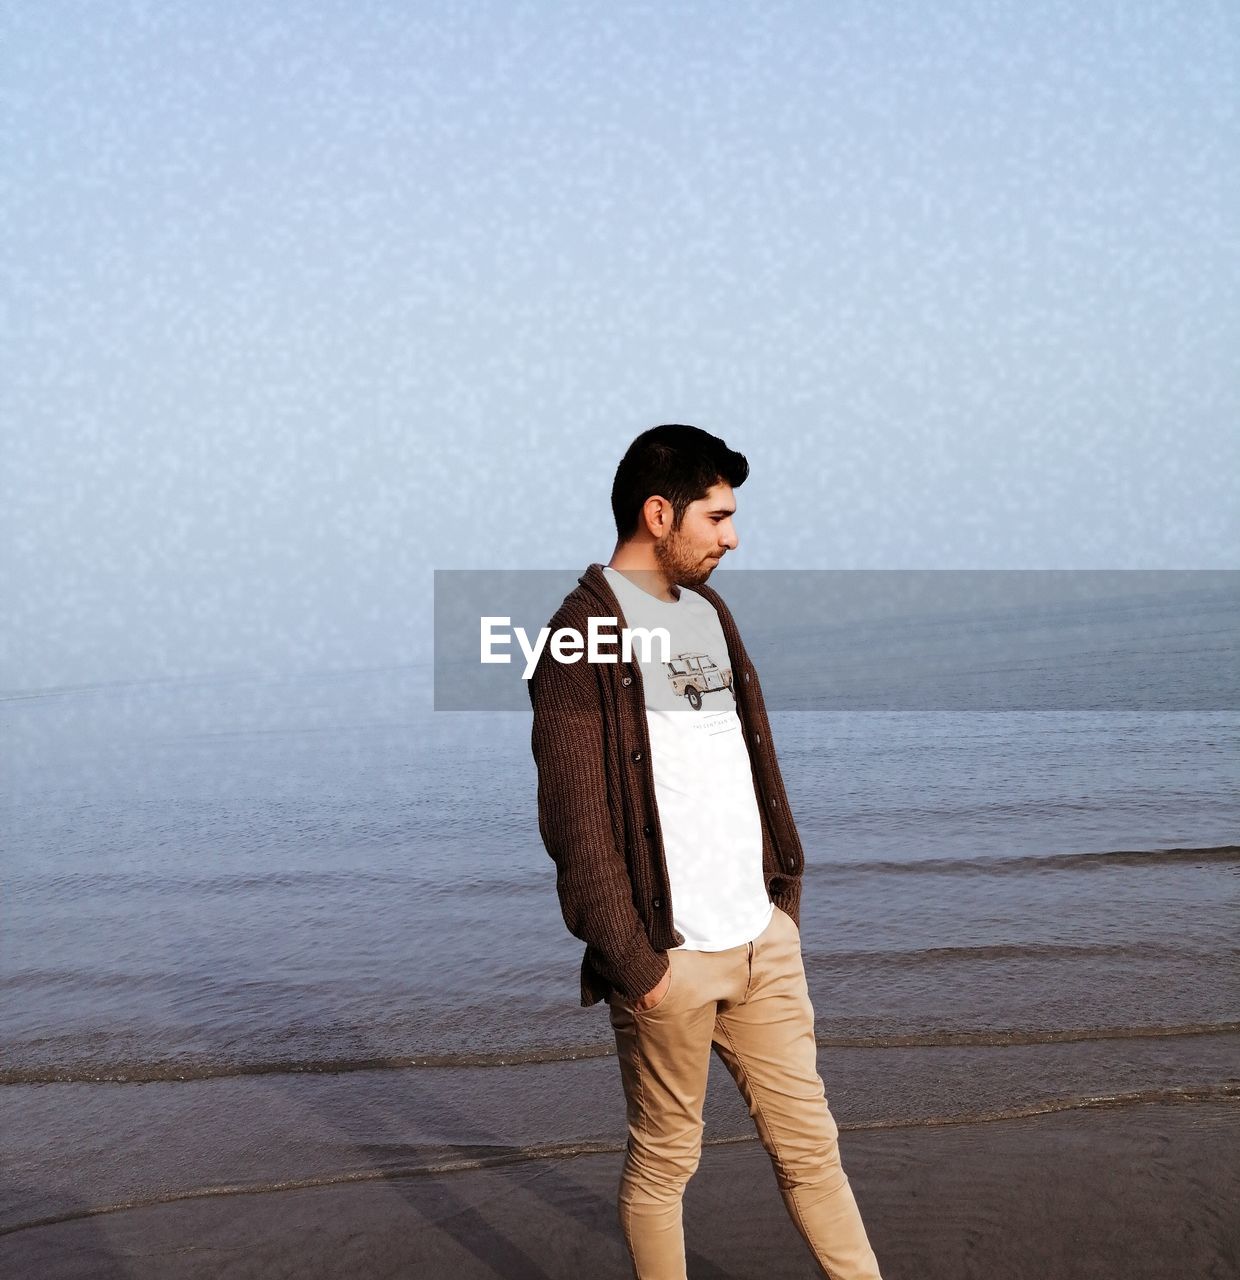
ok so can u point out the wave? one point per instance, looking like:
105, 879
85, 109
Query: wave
231, 884
228, 884
467, 1159
1032, 862
180, 1071
77, 980
918, 957
73, 885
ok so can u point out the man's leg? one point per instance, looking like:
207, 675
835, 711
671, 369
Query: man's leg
664, 1057
767, 1041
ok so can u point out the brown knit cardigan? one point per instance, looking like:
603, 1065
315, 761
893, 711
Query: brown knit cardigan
597, 813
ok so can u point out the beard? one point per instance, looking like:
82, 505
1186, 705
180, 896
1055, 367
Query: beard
679, 563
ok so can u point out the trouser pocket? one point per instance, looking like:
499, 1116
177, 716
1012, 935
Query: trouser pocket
674, 958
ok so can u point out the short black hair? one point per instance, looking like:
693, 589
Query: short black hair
676, 462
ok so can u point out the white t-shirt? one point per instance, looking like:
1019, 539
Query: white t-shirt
712, 832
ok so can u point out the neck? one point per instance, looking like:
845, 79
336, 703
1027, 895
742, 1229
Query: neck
637, 563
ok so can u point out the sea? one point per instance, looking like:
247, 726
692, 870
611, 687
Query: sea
266, 928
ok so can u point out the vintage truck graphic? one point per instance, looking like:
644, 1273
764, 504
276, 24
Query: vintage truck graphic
693, 674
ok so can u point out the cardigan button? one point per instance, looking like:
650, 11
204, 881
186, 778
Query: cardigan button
746, 677
656, 903
626, 681
757, 737
637, 757
647, 830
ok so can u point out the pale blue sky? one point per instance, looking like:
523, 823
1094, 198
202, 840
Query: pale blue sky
303, 304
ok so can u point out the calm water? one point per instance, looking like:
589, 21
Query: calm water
217, 877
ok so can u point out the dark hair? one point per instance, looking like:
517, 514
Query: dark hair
675, 462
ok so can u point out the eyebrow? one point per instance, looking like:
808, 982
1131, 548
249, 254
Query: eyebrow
722, 511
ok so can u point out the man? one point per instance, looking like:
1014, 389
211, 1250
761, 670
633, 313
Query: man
678, 861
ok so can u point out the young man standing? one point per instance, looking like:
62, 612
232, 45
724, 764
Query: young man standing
678, 861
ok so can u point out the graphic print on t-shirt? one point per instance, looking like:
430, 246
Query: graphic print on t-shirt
694, 675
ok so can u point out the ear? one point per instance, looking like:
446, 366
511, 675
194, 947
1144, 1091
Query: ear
657, 515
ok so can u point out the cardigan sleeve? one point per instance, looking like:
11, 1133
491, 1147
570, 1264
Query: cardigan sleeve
574, 820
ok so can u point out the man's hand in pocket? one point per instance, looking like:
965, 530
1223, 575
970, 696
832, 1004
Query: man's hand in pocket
653, 996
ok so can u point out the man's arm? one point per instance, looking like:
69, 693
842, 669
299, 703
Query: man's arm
574, 819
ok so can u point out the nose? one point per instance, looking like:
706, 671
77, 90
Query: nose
729, 539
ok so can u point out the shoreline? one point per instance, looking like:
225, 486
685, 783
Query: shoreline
1143, 1189
68, 1147
178, 1072
1227, 1092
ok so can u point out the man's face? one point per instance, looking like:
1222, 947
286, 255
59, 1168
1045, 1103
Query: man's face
688, 555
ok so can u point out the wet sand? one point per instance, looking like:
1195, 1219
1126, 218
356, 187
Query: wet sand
1123, 1192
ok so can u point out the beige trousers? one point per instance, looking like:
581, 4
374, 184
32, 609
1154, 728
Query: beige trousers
751, 1004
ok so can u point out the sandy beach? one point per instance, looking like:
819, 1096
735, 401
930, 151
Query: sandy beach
1128, 1191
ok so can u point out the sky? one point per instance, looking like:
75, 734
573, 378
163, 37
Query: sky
302, 303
